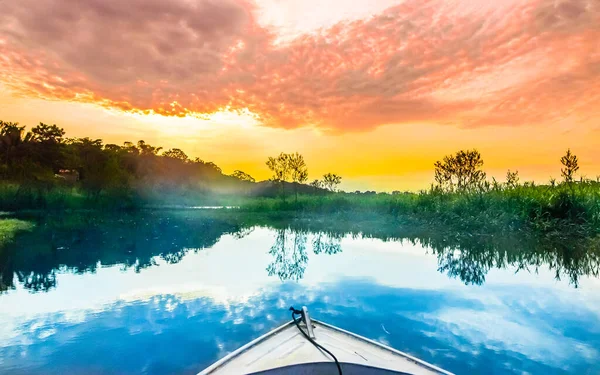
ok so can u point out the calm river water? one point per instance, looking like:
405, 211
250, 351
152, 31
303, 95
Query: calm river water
170, 293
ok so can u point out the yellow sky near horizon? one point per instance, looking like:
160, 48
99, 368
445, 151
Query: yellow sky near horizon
383, 159
373, 92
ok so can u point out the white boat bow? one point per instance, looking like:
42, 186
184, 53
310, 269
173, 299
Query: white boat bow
286, 350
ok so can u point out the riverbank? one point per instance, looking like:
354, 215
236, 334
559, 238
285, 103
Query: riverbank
139, 238
9, 227
572, 208
15, 197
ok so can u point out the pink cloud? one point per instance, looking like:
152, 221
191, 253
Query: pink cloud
421, 61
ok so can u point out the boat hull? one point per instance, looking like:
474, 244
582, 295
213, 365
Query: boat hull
285, 350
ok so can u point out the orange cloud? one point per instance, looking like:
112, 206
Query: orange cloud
462, 62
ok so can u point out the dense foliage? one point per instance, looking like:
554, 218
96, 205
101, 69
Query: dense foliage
525, 206
44, 245
463, 199
42, 168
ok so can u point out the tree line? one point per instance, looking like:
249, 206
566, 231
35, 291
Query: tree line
43, 157
292, 168
462, 172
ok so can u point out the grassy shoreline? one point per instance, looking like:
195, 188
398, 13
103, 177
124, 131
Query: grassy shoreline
542, 208
574, 208
136, 238
10, 227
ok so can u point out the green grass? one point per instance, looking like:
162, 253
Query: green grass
15, 197
10, 227
573, 208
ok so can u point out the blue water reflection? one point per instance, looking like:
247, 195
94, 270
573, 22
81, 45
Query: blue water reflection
179, 317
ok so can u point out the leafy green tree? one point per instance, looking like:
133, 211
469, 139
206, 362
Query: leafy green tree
113, 148
214, 167
571, 165
131, 148
47, 133
240, 175
288, 167
98, 167
280, 167
10, 138
298, 171
316, 184
331, 181
176, 153
146, 149
44, 151
460, 172
44, 158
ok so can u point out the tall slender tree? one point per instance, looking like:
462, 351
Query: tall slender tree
331, 181
280, 167
298, 171
571, 165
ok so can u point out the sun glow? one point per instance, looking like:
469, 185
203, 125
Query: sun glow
375, 92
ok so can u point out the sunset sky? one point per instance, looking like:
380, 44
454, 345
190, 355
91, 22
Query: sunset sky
375, 91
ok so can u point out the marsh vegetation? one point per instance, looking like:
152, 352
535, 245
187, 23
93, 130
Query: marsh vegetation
41, 169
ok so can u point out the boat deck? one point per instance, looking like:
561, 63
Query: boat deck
286, 349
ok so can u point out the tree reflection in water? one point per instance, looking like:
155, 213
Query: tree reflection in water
289, 251
328, 243
289, 255
466, 256
470, 258
80, 243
